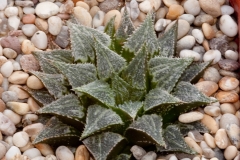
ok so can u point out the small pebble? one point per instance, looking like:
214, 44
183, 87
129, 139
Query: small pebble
55, 25
212, 55
39, 40
18, 77
145, 6
230, 152
198, 35
11, 42
228, 83
8, 96
210, 123
18, 107
190, 117
221, 139
149, 156
195, 135
228, 119
29, 63
174, 11
29, 29
205, 18
32, 153
183, 27
189, 53
208, 153
62, 38
15, 118
46, 150
228, 26
46, 9
192, 7
227, 96
20, 139
11, 11
98, 19
83, 16
211, 74
33, 129
233, 132
212, 111
12, 152
208, 31
226, 9
193, 145
211, 7
187, 17
228, 64
63, 152
29, 18
109, 15
230, 54
209, 140
138, 152
9, 53
7, 69
186, 42
207, 87
161, 24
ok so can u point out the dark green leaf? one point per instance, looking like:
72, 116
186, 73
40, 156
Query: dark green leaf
167, 71
146, 130
57, 133
123, 156
105, 146
100, 119
194, 126
100, 91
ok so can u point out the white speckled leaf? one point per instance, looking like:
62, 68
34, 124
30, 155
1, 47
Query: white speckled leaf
167, 71
194, 126
131, 109
100, 119
123, 157
110, 27
105, 146
100, 91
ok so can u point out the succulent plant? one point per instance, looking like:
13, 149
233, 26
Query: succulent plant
116, 89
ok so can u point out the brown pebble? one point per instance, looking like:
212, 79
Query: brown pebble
82, 153
228, 83
28, 19
227, 96
11, 42
208, 31
29, 63
175, 11
207, 87
2, 105
210, 123
228, 64
206, 45
205, 18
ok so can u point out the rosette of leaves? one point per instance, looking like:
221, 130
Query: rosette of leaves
118, 88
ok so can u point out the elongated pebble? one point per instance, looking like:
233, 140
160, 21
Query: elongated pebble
228, 26
193, 145
210, 123
209, 140
19, 108
7, 69
63, 152
15, 118
32, 153
190, 117
221, 139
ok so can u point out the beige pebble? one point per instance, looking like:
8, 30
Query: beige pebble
209, 140
227, 96
41, 25
210, 123
45, 149
230, 152
21, 94
94, 10
208, 31
190, 117
33, 104
83, 5
175, 11
145, 6
83, 16
221, 139
206, 45
183, 28
168, 3
15, 118
1, 79
161, 13
33, 129
109, 15
29, 145
211, 7
207, 87
193, 145
204, 18
19, 108
195, 135
18, 77
142, 16
9, 53
228, 83
27, 47
82, 153
20, 139
2, 60
227, 108
34, 83
212, 110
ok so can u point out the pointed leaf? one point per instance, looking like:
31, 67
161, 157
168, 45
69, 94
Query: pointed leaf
57, 133
67, 107
194, 126
53, 82
83, 42
158, 100
77, 74
194, 72
174, 140
123, 156
100, 91
135, 73
108, 62
167, 71
105, 146
167, 43
110, 27
146, 130
100, 119
145, 34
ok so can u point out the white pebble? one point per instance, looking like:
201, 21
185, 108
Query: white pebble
190, 117
161, 24
11, 11
226, 9
46, 9
198, 35
145, 6
228, 26
29, 29
7, 69
63, 152
32, 153
212, 55
189, 53
5, 84
15, 118
3, 4
229, 54
54, 25
39, 158
28, 10
98, 19
186, 42
13, 22
39, 39
134, 10
12, 152
187, 17
20, 139
192, 7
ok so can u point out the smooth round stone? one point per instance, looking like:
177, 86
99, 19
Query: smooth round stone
98, 19
3, 4
82, 153
29, 29
11, 11
227, 96
63, 152
187, 17
212, 55
28, 10
230, 152
33, 104
226, 9
8, 96
13, 23
209, 140
198, 35
94, 10
205, 18
16, 66
211, 7
82, 16
186, 42
41, 24
230, 54
34, 83
192, 7
12, 152
15, 118
212, 111
7, 69
228, 73
183, 28
134, 10
211, 74
190, 117
228, 65
189, 53
161, 24
20, 93
33, 129
233, 132
208, 31
193, 145
174, 11
145, 6
46, 150
29, 63
221, 139
39, 39
18, 107
168, 3
27, 47
228, 119
20, 139
46, 9
2, 104
3, 150
5, 84
109, 15
228, 83
137, 151
210, 123
207, 87
26, 147
228, 26
9, 53
32, 153
18, 77
55, 25
83, 5
161, 13
28, 18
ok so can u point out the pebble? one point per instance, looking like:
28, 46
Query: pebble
15, 118
42, 25
63, 152
62, 38
24, 3
208, 31
145, 6
33, 104
149, 156
46, 150
20, 139
190, 117
39, 39
189, 53
228, 26
174, 11
9, 53
12, 152
7, 127
94, 10
3, 4
67, 7
7, 69
51, 157
55, 25
2, 106
207, 87
161, 24
109, 15
11, 42
138, 152
210, 123
228, 83
83, 5
192, 7
19, 107
20, 93
3, 150
193, 145
168, 3
46, 9
33, 129
220, 43
28, 19
230, 152
209, 140
11, 11
98, 19
34, 83
29, 29
212, 111
221, 139
161, 13
227, 96
228, 119
226, 9
186, 42
9, 96
230, 54
134, 10
228, 64
195, 135
183, 28
211, 7
18, 77
82, 153
205, 18
28, 10
108, 5
211, 74
228, 73
208, 153
83, 16
212, 55
187, 17
233, 132
32, 153
198, 35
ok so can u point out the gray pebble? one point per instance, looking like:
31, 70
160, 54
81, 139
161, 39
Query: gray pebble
211, 74
8, 96
63, 37
138, 152
228, 64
